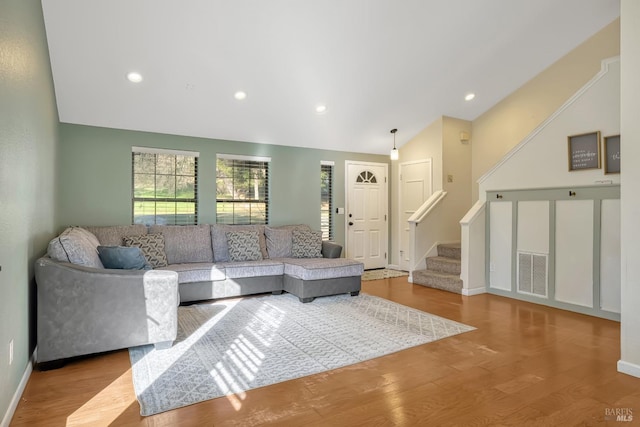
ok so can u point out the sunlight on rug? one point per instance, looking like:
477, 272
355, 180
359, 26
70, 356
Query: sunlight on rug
228, 347
383, 273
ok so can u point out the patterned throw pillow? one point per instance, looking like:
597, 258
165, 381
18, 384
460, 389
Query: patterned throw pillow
306, 244
244, 246
152, 246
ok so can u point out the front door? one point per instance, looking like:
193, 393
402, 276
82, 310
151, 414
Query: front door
367, 230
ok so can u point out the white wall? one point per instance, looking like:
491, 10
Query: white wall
630, 198
541, 160
507, 123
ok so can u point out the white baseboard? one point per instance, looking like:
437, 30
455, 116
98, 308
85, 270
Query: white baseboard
6, 420
474, 291
629, 368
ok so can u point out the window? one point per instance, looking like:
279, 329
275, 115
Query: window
165, 184
326, 200
242, 190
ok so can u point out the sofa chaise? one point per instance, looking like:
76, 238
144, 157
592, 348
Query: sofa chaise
86, 304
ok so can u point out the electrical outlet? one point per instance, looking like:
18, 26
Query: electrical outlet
10, 352
492, 267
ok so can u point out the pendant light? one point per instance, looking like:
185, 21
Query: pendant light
394, 152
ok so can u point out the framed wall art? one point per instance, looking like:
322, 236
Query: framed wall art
612, 154
584, 151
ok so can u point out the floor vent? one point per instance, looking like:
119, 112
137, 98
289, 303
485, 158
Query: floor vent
532, 274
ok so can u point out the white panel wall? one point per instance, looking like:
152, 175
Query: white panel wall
610, 256
501, 223
574, 252
533, 227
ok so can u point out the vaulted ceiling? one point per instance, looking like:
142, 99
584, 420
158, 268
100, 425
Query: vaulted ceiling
374, 64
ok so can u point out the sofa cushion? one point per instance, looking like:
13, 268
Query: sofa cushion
219, 239
123, 257
278, 242
113, 235
152, 246
243, 246
77, 246
265, 267
322, 268
197, 272
306, 244
185, 243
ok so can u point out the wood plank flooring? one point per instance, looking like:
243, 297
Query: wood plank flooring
524, 365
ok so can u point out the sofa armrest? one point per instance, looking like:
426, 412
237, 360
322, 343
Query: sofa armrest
331, 249
83, 310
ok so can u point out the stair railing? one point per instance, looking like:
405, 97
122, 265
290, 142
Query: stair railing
472, 268
424, 236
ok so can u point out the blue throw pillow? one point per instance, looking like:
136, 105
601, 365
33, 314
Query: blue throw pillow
123, 257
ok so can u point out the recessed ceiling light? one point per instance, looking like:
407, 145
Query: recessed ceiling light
469, 96
240, 95
134, 77
321, 109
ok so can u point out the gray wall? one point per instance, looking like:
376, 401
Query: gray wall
95, 176
28, 144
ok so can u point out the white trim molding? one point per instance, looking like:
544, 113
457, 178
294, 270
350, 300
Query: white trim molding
6, 420
629, 368
151, 150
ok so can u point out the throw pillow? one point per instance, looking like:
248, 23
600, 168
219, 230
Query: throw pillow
152, 246
123, 257
77, 246
244, 246
278, 242
306, 244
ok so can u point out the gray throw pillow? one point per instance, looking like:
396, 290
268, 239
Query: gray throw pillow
278, 242
306, 244
152, 246
243, 246
123, 257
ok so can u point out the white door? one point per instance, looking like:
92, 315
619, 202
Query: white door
415, 189
367, 230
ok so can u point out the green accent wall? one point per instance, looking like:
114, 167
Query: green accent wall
28, 145
95, 176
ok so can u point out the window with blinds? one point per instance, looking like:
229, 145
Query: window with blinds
326, 200
242, 189
165, 185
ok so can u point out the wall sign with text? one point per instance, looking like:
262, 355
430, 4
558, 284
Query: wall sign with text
584, 151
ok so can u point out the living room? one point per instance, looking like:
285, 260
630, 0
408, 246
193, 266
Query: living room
75, 174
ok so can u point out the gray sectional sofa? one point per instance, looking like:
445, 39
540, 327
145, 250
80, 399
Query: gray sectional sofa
85, 308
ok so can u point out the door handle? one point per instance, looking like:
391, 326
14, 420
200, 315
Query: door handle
350, 223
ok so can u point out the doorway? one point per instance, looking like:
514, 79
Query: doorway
367, 212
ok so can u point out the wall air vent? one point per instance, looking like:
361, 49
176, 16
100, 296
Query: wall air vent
533, 274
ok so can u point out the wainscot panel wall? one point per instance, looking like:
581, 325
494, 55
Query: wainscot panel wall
95, 176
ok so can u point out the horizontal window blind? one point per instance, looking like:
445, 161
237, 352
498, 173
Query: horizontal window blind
326, 200
242, 189
164, 186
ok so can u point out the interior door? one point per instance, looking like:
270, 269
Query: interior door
415, 189
367, 229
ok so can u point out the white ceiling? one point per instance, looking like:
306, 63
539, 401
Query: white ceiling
376, 64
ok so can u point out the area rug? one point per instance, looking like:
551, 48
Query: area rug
382, 273
231, 346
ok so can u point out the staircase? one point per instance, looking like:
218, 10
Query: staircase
443, 271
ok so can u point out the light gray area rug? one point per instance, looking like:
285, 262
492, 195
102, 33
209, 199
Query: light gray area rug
231, 346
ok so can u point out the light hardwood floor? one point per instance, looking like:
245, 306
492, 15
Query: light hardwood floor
524, 365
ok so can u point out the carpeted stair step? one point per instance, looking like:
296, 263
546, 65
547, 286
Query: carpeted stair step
443, 281
442, 264
450, 250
